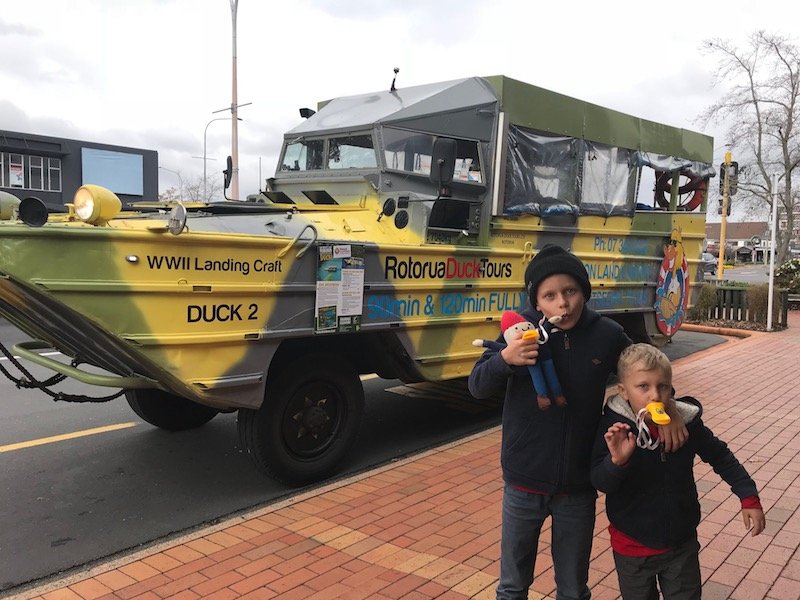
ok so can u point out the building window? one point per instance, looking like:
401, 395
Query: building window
16, 171
54, 174
30, 172
35, 172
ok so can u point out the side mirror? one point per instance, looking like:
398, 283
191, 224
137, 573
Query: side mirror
443, 161
229, 173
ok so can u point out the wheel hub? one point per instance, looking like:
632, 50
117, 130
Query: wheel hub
309, 425
315, 418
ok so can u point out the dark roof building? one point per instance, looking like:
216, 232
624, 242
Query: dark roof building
52, 168
738, 234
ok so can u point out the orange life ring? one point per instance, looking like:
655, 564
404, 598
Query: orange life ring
696, 186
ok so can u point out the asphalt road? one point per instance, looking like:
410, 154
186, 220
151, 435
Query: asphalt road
755, 273
71, 502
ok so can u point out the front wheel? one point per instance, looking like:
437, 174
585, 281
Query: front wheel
168, 411
308, 421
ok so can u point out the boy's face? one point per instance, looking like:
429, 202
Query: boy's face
560, 295
640, 387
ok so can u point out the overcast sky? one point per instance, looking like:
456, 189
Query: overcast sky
149, 73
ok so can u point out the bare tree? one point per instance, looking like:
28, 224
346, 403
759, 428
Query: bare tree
170, 194
192, 189
761, 110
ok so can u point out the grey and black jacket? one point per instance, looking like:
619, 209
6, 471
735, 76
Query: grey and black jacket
549, 451
653, 498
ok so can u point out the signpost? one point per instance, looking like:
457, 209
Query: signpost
773, 246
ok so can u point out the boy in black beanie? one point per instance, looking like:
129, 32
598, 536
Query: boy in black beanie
545, 455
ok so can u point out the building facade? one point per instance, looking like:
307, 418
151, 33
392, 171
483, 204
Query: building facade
746, 241
52, 168
783, 224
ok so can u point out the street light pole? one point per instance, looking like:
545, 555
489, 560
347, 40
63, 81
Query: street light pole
180, 179
234, 110
234, 113
205, 134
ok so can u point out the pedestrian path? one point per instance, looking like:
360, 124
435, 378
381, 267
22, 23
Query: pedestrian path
429, 526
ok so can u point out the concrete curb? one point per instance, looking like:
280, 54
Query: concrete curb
740, 333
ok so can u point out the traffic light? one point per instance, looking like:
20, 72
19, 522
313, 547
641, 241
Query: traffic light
719, 208
733, 177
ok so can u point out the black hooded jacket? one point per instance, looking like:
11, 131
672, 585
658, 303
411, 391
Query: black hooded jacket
653, 498
549, 451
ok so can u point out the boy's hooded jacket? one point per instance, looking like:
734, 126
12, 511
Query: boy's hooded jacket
549, 450
653, 498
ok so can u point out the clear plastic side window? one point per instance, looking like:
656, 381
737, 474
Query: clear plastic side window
411, 151
608, 181
353, 152
541, 173
407, 150
305, 155
468, 166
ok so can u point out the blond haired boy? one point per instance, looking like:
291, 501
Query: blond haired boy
651, 496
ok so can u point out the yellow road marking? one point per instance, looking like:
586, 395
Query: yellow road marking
65, 436
369, 376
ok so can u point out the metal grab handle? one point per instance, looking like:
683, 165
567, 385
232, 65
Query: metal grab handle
305, 248
25, 350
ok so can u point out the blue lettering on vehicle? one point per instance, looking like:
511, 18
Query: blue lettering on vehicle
382, 307
626, 245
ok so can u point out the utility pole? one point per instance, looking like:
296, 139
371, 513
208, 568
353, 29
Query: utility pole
773, 246
726, 188
234, 113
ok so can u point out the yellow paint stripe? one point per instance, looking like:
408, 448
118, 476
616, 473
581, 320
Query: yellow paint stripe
369, 376
65, 436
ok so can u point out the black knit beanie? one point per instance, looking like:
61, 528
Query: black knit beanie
552, 260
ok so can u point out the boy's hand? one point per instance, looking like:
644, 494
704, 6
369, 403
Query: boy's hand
521, 353
621, 443
674, 434
754, 520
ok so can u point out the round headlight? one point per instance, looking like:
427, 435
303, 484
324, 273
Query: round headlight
95, 204
84, 204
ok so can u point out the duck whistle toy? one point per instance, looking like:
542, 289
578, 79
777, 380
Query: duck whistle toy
657, 413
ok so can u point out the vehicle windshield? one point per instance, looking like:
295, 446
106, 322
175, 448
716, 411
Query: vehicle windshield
346, 152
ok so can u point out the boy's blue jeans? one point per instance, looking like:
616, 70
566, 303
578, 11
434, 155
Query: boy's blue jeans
572, 528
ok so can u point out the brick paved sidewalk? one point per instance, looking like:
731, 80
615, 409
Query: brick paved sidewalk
429, 526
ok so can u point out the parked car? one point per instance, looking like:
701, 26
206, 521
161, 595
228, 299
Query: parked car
708, 263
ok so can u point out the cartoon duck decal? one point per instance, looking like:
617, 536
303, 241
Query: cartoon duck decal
672, 293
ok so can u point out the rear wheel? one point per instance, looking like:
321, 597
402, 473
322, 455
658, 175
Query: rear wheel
168, 411
307, 422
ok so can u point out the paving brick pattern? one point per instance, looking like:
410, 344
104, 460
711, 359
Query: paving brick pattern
429, 526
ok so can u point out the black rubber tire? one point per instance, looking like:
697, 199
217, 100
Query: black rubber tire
168, 411
308, 421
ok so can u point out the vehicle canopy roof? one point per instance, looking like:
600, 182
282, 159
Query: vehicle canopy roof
419, 107
471, 104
